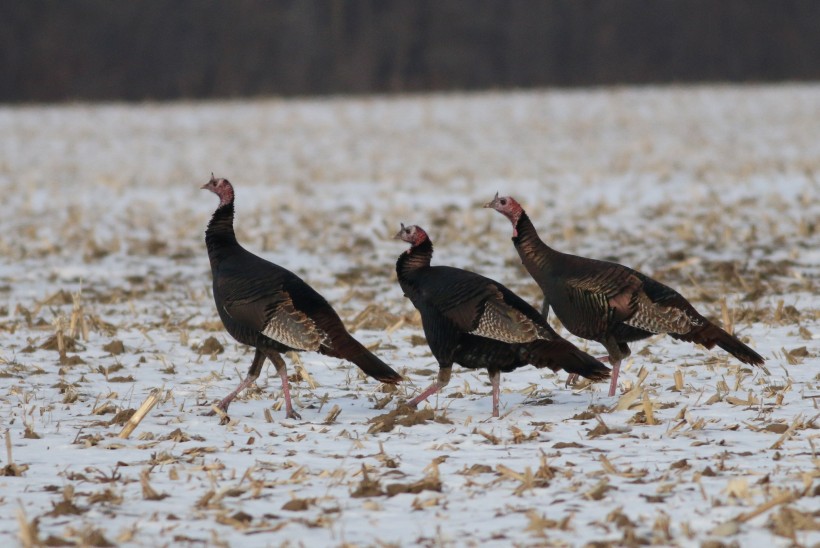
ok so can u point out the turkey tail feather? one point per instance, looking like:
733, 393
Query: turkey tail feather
714, 335
739, 350
369, 362
563, 355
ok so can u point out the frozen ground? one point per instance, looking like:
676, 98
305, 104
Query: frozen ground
714, 190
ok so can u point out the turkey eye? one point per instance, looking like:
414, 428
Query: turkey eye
503, 201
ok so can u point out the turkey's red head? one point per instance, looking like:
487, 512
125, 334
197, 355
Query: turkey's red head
413, 235
507, 206
220, 187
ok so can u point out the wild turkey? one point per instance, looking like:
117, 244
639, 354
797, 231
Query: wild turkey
478, 323
271, 309
608, 302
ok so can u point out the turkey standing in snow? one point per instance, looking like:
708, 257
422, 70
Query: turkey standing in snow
478, 323
271, 309
608, 302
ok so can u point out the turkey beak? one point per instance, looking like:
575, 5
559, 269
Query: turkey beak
210, 183
398, 234
491, 203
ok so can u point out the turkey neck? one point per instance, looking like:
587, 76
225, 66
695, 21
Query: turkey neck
535, 254
219, 236
414, 259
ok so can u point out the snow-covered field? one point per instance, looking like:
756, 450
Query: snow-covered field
713, 190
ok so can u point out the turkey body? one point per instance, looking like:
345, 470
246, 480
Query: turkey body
271, 309
609, 302
478, 323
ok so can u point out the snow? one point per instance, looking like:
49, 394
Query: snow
714, 190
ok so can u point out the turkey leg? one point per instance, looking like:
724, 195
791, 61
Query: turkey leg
442, 381
282, 369
613, 384
253, 374
495, 379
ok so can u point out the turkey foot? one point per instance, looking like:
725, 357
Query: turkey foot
223, 416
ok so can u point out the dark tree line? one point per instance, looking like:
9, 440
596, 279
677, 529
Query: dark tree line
53, 50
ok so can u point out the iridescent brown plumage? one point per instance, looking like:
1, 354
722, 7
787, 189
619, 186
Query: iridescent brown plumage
608, 302
478, 323
271, 309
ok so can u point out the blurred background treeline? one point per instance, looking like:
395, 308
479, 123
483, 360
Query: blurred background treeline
55, 50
